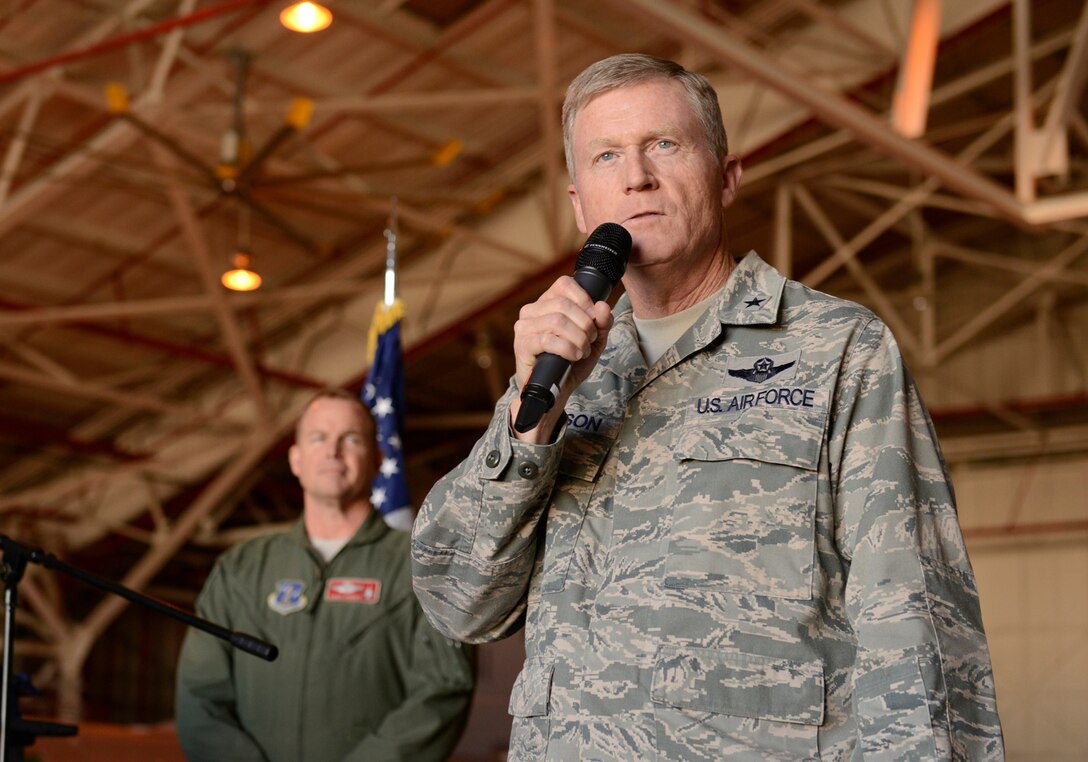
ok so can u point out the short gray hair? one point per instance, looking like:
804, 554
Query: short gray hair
635, 68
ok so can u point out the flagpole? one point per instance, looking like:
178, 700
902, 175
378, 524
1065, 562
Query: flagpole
391, 255
383, 393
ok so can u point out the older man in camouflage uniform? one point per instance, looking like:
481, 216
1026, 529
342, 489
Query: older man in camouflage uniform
733, 537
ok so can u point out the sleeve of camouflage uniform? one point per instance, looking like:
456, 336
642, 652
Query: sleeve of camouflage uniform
475, 539
428, 724
208, 727
922, 683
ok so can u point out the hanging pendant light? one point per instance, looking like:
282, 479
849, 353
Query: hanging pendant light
306, 17
242, 276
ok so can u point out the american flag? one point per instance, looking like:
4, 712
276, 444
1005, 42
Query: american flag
383, 393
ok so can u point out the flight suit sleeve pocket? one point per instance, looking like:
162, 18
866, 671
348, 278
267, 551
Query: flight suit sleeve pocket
744, 517
532, 689
740, 685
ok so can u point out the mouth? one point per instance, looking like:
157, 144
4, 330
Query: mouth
642, 216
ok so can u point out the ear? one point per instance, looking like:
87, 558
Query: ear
579, 218
731, 172
293, 458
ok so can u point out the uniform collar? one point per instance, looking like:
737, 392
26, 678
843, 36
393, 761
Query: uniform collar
751, 296
752, 293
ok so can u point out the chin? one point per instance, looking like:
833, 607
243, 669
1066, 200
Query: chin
651, 257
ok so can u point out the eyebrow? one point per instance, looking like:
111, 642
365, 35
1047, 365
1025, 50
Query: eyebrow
652, 134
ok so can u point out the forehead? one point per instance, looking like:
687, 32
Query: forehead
327, 413
650, 105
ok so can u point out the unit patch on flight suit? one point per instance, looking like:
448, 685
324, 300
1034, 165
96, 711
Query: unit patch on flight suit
353, 590
288, 597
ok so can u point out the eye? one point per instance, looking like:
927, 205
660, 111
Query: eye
606, 156
665, 144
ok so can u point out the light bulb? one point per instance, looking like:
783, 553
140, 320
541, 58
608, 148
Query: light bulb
241, 277
306, 17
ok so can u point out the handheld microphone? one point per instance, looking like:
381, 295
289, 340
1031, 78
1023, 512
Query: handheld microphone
599, 267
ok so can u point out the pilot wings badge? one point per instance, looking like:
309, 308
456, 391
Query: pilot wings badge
756, 370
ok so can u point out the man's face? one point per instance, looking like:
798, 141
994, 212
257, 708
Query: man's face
333, 455
642, 160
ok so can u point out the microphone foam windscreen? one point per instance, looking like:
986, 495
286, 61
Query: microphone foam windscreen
606, 250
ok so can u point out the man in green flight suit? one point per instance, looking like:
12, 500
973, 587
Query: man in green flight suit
361, 675
733, 536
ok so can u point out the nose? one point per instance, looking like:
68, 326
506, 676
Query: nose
639, 172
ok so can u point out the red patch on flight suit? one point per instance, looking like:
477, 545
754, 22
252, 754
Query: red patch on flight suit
353, 590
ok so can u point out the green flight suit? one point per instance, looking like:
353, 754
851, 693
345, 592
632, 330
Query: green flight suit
361, 676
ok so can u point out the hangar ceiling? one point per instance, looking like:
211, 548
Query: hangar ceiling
144, 409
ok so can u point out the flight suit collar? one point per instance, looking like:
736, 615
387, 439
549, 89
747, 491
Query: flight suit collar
372, 529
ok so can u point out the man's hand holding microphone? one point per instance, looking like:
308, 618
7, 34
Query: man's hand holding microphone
558, 339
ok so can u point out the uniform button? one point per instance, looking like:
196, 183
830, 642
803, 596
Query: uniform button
493, 458
527, 470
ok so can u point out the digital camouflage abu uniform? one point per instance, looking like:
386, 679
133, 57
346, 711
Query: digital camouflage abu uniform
361, 676
748, 551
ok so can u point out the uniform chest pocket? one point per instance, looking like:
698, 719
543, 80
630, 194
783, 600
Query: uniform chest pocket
745, 504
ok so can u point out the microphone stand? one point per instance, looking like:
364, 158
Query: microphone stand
14, 730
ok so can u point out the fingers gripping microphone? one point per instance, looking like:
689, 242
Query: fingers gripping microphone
599, 267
